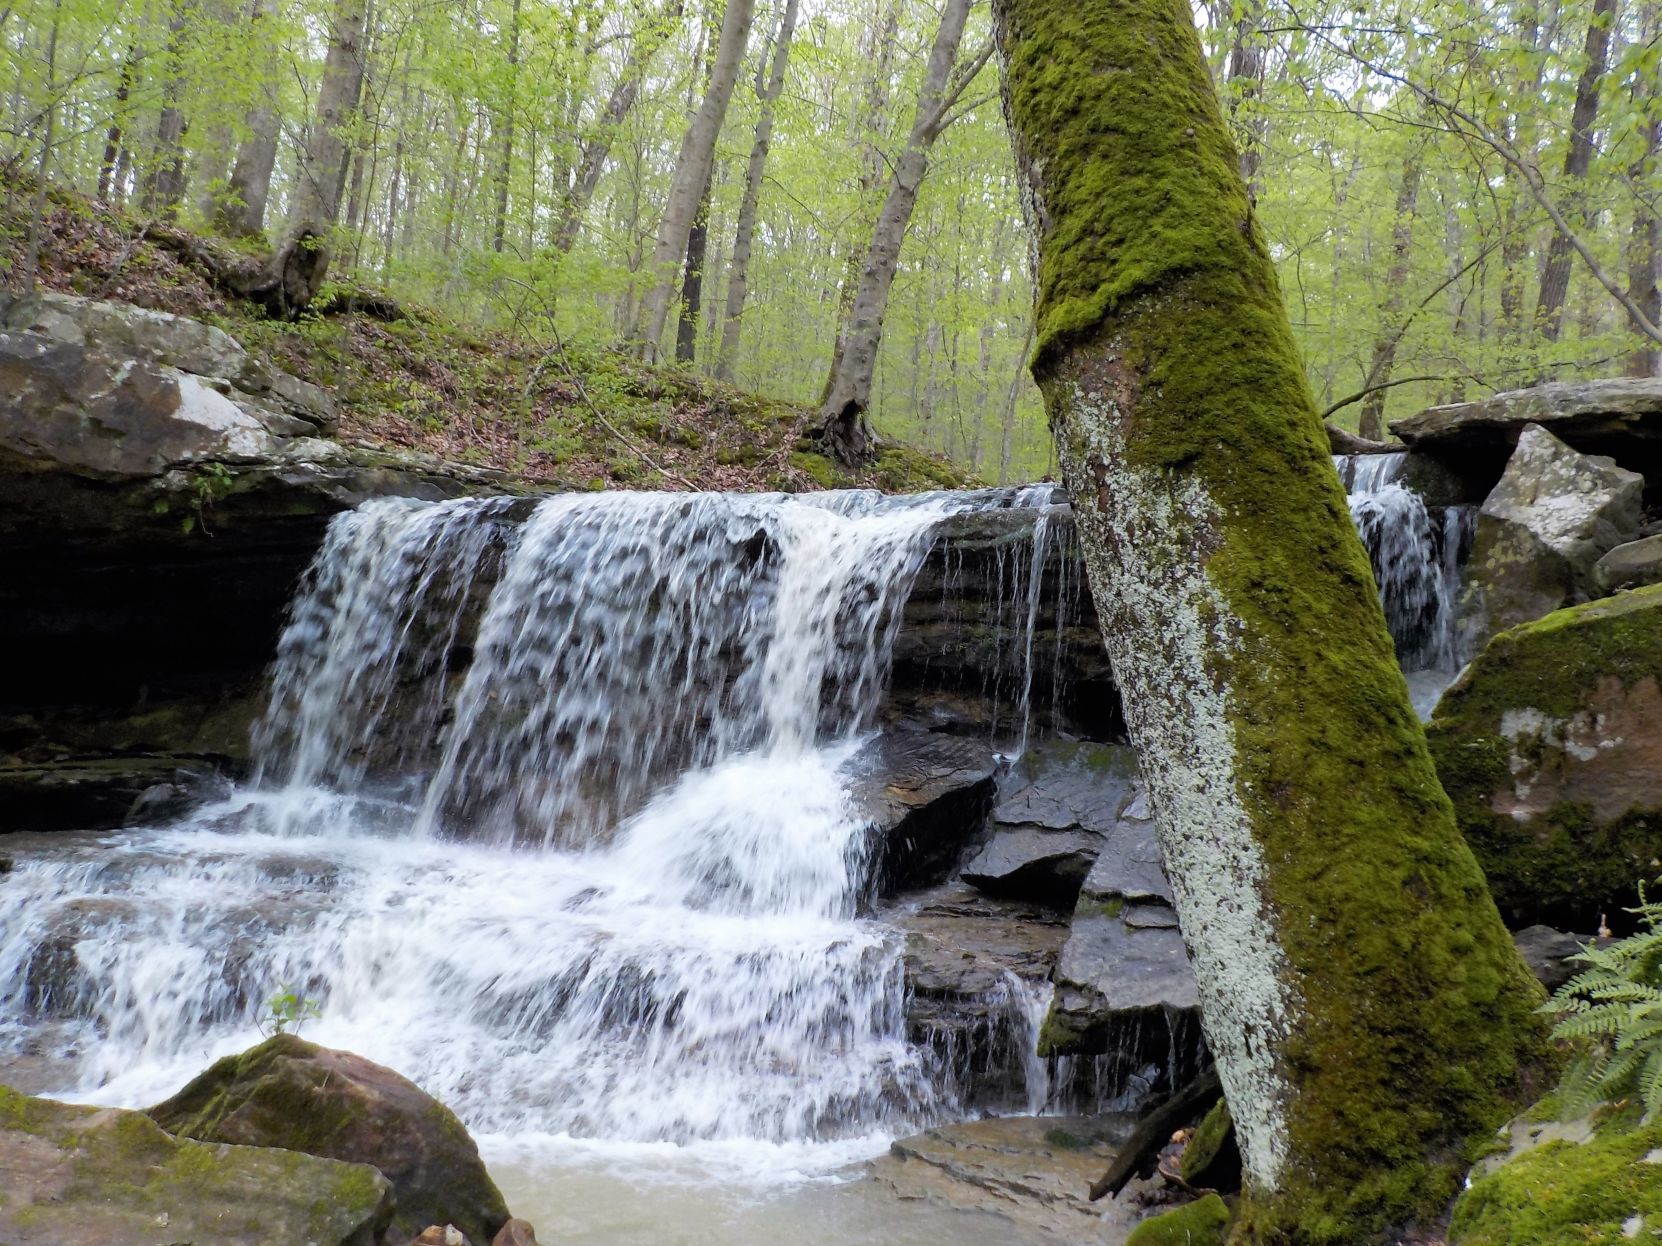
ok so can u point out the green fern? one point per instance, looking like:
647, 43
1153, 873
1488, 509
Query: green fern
1612, 1010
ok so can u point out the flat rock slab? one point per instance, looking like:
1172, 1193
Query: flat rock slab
82, 1176
1579, 412
925, 795
1030, 1171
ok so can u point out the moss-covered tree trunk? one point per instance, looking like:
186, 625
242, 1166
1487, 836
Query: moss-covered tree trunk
1368, 1012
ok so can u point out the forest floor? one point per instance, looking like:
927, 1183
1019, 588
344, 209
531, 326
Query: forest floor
573, 417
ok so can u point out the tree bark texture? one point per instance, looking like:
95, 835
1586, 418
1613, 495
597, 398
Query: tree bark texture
744, 232
692, 172
1644, 247
301, 261
1372, 425
505, 157
240, 211
1555, 276
1366, 1007
843, 425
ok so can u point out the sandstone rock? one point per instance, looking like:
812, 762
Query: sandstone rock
1620, 417
1550, 746
926, 796
82, 1176
1554, 513
293, 1094
1055, 811
1632, 565
516, 1232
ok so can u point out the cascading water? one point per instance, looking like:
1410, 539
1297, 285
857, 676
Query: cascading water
602, 882
1416, 552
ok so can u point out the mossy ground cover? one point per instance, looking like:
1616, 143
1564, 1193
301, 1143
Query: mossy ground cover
506, 398
1601, 1192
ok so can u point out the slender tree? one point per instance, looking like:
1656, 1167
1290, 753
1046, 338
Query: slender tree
1578, 159
843, 425
1372, 425
692, 171
768, 89
1369, 1014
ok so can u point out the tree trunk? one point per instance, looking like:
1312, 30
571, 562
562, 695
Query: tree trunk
744, 233
1555, 276
1247, 63
109, 189
598, 146
302, 259
692, 278
1372, 424
843, 425
1514, 249
164, 188
692, 171
1366, 1007
240, 212
1644, 247
505, 163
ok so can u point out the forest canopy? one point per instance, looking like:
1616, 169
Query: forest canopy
1459, 197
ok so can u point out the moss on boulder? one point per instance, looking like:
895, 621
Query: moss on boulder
1203, 1222
1600, 1191
1550, 745
83, 1176
296, 1095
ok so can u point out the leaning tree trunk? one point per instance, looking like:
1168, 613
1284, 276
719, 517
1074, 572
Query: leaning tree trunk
296, 271
1366, 1007
744, 233
692, 172
843, 426
1555, 276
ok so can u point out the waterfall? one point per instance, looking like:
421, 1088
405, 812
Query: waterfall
1417, 553
549, 814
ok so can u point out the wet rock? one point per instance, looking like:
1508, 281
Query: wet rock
1553, 515
926, 796
91, 793
82, 1176
1124, 987
1055, 810
1550, 746
1032, 1172
293, 1094
972, 965
1632, 565
1550, 954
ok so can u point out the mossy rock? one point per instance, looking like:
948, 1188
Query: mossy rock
292, 1094
1212, 1160
83, 1176
1203, 1222
1550, 746
1603, 1191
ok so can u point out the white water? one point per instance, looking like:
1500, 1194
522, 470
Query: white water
1416, 553
600, 889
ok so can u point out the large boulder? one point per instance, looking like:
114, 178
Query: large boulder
1553, 515
83, 1176
1550, 746
1055, 810
296, 1095
1621, 417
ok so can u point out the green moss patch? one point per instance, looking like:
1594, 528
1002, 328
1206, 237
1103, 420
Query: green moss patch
1203, 1222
